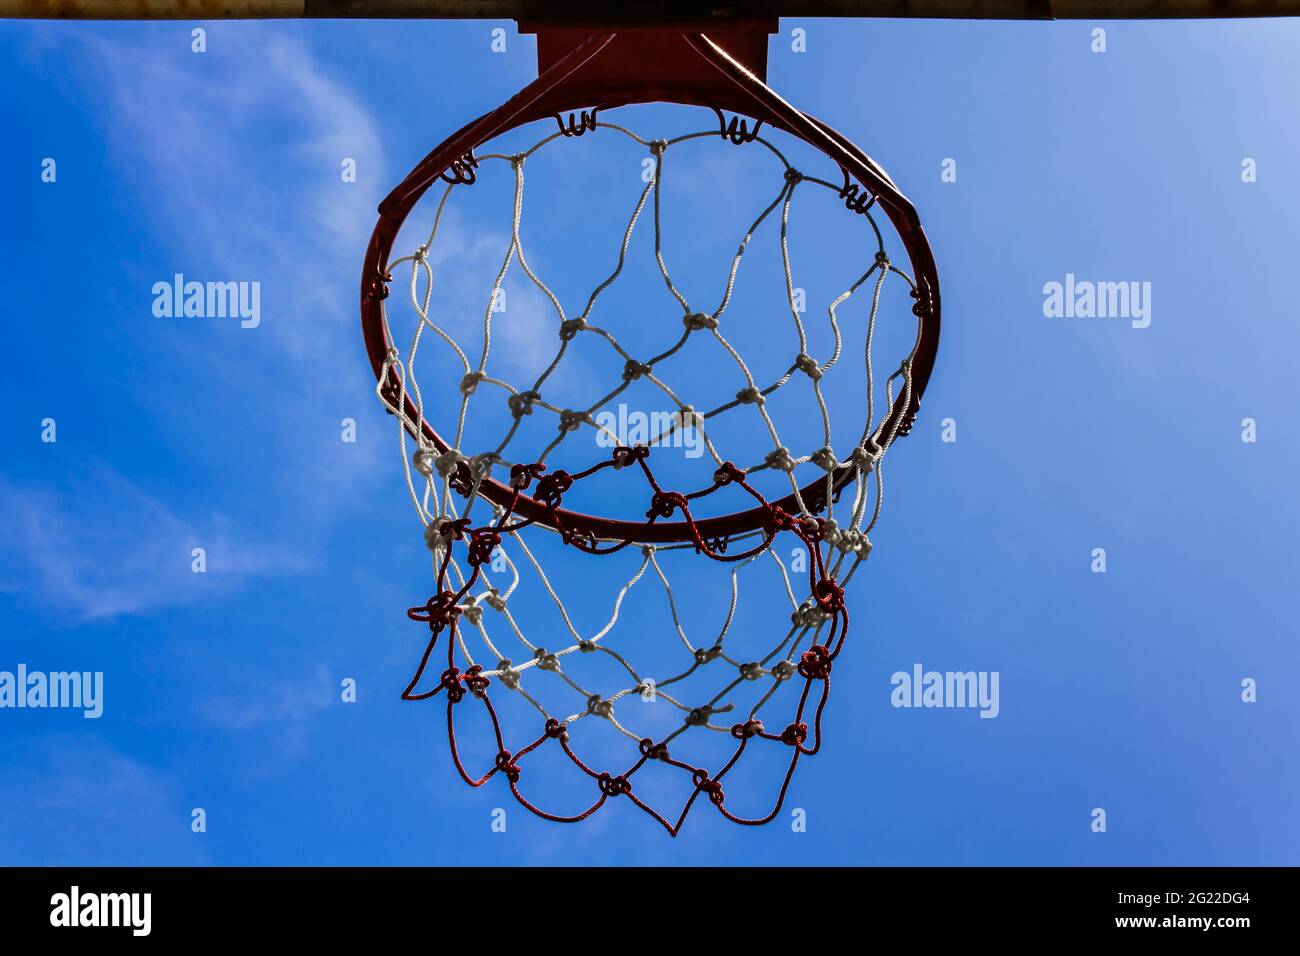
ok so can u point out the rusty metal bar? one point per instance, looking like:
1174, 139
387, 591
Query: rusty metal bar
623, 11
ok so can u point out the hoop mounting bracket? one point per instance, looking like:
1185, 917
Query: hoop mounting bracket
651, 53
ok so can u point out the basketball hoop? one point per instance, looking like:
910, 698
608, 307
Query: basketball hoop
585, 75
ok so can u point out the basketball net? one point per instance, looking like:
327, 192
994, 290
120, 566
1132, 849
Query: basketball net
478, 647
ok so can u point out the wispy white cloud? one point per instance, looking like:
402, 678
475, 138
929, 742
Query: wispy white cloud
65, 800
233, 159
237, 156
277, 701
260, 121
284, 711
104, 547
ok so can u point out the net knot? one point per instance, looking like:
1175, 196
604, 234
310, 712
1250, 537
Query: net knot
424, 461
750, 728
582, 537
664, 503
829, 595
551, 489
480, 466
546, 660
726, 473
882, 258
793, 175
815, 664
705, 784
808, 365
447, 463
795, 734
571, 421
706, 655
778, 519
824, 459
494, 600
470, 381
599, 706
625, 455
450, 682
783, 670
521, 403
571, 327
517, 160
808, 614
506, 763
475, 680
749, 396
440, 532
653, 751
521, 476
779, 458
507, 673
751, 670
482, 542
390, 388
698, 321
812, 529
437, 612
612, 786
556, 730
471, 610
851, 541
698, 717
633, 370
658, 146
586, 646
867, 455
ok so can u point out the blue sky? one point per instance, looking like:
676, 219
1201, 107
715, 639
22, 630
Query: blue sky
1119, 691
